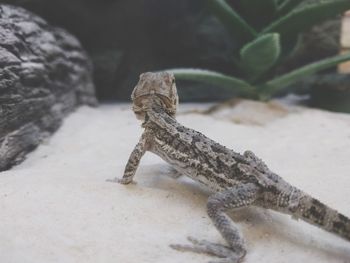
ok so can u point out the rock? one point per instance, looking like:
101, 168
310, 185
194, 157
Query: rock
331, 92
45, 74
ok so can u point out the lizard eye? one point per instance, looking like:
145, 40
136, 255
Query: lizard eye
173, 81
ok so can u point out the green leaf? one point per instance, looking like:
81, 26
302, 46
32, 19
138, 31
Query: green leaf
212, 77
287, 6
283, 81
302, 18
231, 20
257, 13
261, 54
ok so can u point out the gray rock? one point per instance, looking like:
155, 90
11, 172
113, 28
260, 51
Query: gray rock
44, 75
329, 91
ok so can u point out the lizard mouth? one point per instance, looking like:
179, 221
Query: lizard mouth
141, 104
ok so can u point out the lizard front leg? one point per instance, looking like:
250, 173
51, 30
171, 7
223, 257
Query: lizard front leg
232, 198
133, 162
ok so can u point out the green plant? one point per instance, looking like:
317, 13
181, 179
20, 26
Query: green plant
268, 32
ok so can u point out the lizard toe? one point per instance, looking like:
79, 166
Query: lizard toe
226, 254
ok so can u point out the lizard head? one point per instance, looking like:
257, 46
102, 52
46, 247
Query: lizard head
160, 86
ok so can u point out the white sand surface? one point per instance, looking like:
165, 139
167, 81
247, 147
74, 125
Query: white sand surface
57, 206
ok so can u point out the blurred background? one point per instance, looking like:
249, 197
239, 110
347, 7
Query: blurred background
125, 38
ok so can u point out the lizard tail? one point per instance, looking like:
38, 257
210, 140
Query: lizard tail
314, 212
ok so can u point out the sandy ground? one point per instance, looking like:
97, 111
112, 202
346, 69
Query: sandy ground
57, 206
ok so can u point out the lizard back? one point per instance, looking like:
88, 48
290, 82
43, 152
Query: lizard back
195, 155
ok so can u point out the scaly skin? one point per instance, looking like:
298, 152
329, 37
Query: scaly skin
236, 180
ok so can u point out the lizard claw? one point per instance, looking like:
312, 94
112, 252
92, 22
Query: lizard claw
226, 254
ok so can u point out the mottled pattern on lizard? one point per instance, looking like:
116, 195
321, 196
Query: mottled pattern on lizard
236, 180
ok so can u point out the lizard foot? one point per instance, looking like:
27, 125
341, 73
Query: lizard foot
120, 181
203, 246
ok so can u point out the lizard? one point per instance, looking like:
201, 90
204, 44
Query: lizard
235, 180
